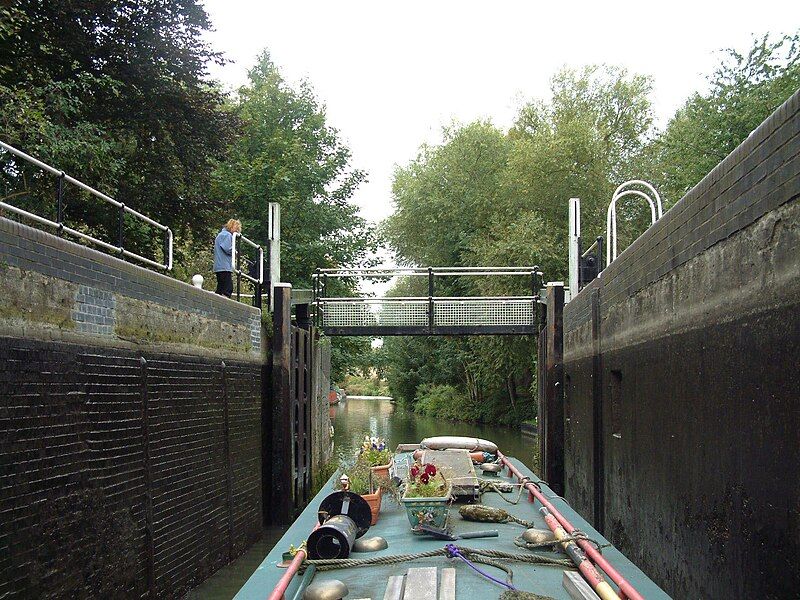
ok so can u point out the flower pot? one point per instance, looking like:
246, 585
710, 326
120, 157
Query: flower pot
374, 501
430, 511
381, 471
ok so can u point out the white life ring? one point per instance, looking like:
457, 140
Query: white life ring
443, 442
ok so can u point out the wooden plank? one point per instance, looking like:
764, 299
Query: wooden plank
447, 585
577, 587
395, 587
553, 418
281, 502
420, 584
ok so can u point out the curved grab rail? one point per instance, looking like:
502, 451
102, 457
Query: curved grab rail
123, 209
235, 264
656, 212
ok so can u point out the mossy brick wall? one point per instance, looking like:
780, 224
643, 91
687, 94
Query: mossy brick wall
130, 425
696, 343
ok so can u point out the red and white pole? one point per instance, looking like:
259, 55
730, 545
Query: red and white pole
625, 588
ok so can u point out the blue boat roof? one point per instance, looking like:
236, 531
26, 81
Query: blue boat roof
393, 525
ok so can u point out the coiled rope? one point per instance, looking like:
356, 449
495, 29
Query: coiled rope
482, 555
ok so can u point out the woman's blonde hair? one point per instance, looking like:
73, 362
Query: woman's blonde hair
234, 225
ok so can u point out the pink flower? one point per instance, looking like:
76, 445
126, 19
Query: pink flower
424, 478
430, 470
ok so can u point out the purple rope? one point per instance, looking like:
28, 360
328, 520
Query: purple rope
453, 551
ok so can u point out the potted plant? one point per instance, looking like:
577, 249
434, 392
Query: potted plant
358, 478
427, 496
375, 453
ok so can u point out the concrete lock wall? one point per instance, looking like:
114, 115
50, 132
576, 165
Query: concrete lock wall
130, 412
692, 339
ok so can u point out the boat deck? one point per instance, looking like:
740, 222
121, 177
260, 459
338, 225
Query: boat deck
371, 581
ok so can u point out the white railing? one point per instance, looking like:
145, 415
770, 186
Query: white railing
656, 212
58, 224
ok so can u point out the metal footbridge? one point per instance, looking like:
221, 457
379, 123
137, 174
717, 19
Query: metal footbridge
431, 314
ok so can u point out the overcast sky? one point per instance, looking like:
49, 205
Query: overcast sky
393, 73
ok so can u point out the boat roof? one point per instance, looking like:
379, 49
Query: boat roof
393, 525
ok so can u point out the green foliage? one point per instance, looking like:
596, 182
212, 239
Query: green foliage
743, 91
426, 481
485, 197
348, 355
355, 385
322, 475
445, 402
289, 154
359, 475
376, 458
362, 480
115, 93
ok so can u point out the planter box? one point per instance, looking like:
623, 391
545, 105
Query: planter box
430, 511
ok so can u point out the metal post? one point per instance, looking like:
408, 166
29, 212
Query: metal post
430, 300
165, 244
238, 275
60, 202
274, 236
257, 295
315, 289
599, 255
574, 245
551, 423
121, 232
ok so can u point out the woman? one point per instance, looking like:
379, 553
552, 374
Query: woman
223, 260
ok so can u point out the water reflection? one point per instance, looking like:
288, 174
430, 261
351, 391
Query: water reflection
356, 417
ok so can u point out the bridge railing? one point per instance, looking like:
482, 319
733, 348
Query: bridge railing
123, 210
431, 314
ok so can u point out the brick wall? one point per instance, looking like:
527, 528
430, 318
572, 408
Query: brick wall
699, 343
130, 412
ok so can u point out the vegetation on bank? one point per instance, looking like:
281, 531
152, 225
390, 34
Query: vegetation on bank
357, 385
487, 196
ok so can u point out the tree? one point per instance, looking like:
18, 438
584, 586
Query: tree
743, 91
287, 153
485, 197
116, 93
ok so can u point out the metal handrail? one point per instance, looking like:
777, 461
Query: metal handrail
656, 212
59, 225
590, 248
391, 299
236, 268
424, 272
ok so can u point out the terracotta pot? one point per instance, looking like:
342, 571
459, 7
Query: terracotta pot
374, 501
381, 471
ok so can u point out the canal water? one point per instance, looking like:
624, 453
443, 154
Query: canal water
352, 420
358, 416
